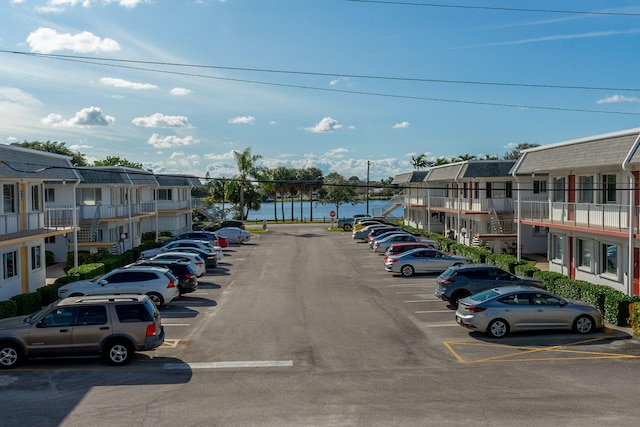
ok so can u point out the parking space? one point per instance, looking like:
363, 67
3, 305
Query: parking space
415, 296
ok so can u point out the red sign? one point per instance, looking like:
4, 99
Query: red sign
332, 214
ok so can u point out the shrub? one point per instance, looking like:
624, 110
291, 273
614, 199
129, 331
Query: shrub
549, 278
616, 307
634, 318
48, 293
526, 270
504, 261
87, 271
27, 303
567, 288
49, 258
8, 308
477, 255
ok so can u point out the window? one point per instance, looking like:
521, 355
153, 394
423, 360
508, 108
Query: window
585, 192
540, 231
9, 198
499, 190
476, 190
165, 194
488, 189
35, 197
89, 196
9, 264
91, 315
62, 316
585, 249
539, 187
36, 257
609, 259
608, 188
558, 189
557, 246
49, 195
465, 190
132, 313
51, 239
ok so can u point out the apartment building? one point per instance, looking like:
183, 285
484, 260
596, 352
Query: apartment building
591, 208
26, 222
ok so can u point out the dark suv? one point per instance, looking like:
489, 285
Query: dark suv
114, 326
186, 275
461, 281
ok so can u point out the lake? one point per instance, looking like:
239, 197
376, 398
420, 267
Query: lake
320, 211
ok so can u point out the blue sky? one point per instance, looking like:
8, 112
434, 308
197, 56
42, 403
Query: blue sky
327, 83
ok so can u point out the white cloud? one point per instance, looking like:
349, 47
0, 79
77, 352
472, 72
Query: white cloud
17, 96
48, 40
12, 139
160, 120
337, 152
78, 147
111, 81
158, 141
179, 91
242, 120
87, 117
616, 99
325, 125
401, 125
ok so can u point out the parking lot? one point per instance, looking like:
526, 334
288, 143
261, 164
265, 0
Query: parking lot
303, 326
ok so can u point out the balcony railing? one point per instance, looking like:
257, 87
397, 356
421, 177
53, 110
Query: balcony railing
116, 211
588, 215
172, 205
499, 204
34, 223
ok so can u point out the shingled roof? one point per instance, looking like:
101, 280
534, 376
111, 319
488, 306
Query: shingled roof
471, 169
595, 151
178, 181
116, 175
21, 162
415, 176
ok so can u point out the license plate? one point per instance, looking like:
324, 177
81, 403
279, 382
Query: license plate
459, 320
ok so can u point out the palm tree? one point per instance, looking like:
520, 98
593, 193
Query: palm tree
419, 161
246, 163
270, 188
313, 181
281, 176
465, 157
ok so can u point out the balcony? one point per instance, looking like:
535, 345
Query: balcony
116, 211
594, 216
482, 205
36, 223
175, 205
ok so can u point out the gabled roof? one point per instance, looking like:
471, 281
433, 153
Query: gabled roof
471, 169
415, 176
19, 162
117, 175
595, 151
178, 181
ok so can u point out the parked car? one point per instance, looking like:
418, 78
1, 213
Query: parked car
234, 234
363, 233
158, 283
199, 235
381, 230
171, 247
499, 311
226, 223
184, 272
465, 280
381, 245
422, 261
210, 259
347, 223
398, 248
195, 260
383, 236
364, 222
112, 326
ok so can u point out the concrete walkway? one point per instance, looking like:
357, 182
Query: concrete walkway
55, 271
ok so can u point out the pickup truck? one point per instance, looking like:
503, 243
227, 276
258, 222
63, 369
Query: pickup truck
347, 223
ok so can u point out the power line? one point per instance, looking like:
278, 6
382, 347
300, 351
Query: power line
93, 61
493, 8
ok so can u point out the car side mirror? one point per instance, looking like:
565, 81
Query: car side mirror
103, 282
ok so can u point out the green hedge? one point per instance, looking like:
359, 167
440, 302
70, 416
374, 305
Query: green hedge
8, 308
526, 270
87, 271
27, 303
504, 261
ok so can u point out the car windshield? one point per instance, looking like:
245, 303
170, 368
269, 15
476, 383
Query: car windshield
34, 317
483, 296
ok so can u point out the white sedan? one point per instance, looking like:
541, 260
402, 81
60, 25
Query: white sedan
235, 234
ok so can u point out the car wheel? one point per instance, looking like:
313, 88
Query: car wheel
458, 296
498, 328
347, 227
583, 324
10, 355
118, 353
407, 270
156, 298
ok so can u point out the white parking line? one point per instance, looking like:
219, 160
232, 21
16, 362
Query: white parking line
409, 285
187, 302
432, 311
226, 365
424, 300
176, 324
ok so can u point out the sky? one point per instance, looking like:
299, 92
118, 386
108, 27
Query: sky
346, 86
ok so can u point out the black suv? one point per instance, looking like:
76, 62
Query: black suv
187, 277
114, 326
461, 281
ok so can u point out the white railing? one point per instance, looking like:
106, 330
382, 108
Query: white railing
474, 205
588, 215
33, 223
166, 205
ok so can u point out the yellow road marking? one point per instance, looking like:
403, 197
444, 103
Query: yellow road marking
523, 352
170, 343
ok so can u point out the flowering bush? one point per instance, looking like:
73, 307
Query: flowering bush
634, 318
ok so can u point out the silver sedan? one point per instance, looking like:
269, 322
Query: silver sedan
422, 261
507, 309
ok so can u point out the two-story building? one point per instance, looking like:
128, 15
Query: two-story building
591, 208
472, 202
26, 223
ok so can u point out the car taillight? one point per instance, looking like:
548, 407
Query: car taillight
474, 309
171, 284
391, 260
199, 263
377, 244
151, 330
446, 281
190, 276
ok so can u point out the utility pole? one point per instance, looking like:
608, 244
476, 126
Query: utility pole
367, 189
